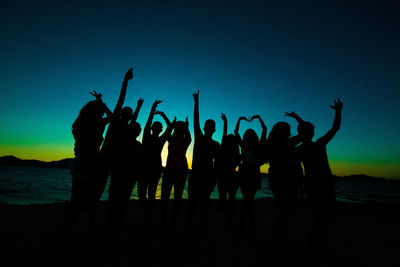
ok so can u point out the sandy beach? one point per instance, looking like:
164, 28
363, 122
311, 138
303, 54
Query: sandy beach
363, 235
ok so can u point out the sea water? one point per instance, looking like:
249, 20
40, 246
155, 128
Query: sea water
23, 185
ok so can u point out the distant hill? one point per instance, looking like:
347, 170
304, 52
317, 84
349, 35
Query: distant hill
66, 163
14, 161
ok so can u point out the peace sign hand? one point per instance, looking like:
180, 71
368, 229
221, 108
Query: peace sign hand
96, 95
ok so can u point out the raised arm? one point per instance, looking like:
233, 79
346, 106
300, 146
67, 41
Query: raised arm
167, 121
294, 116
196, 119
188, 137
225, 133
237, 128
147, 127
121, 98
264, 128
170, 126
337, 106
136, 112
294, 140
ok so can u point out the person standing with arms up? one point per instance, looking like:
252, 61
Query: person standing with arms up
249, 169
319, 182
153, 144
176, 171
119, 119
203, 177
228, 160
87, 130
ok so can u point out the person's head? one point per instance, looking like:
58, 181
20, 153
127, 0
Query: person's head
250, 137
136, 129
92, 110
179, 129
156, 128
306, 131
280, 132
209, 128
89, 115
126, 114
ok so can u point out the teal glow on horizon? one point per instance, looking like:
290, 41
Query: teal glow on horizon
246, 58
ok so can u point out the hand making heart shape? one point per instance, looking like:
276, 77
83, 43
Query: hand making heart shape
252, 118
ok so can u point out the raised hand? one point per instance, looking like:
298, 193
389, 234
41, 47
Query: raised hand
187, 122
294, 116
290, 114
96, 95
156, 103
223, 117
238, 126
263, 126
122, 94
140, 102
128, 75
196, 96
337, 105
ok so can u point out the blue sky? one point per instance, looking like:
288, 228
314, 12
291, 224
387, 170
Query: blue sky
246, 57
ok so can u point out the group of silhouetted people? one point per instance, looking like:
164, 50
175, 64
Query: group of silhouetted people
233, 164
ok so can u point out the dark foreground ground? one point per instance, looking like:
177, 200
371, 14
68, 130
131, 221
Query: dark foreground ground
363, 235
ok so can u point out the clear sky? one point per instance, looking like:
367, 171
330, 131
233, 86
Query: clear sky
245, 57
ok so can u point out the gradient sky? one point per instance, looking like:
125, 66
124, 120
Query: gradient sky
246, 57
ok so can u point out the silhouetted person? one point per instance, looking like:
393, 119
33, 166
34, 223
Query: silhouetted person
88, 131
202, 179
113, 152
136, 163
153, 144
285, 171
249, 169
319, 183
228, 160
176, 170
119, 119
126, 164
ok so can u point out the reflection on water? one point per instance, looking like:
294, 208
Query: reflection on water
21, 185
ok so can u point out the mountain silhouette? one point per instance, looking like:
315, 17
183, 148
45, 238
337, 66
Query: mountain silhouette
17, 162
